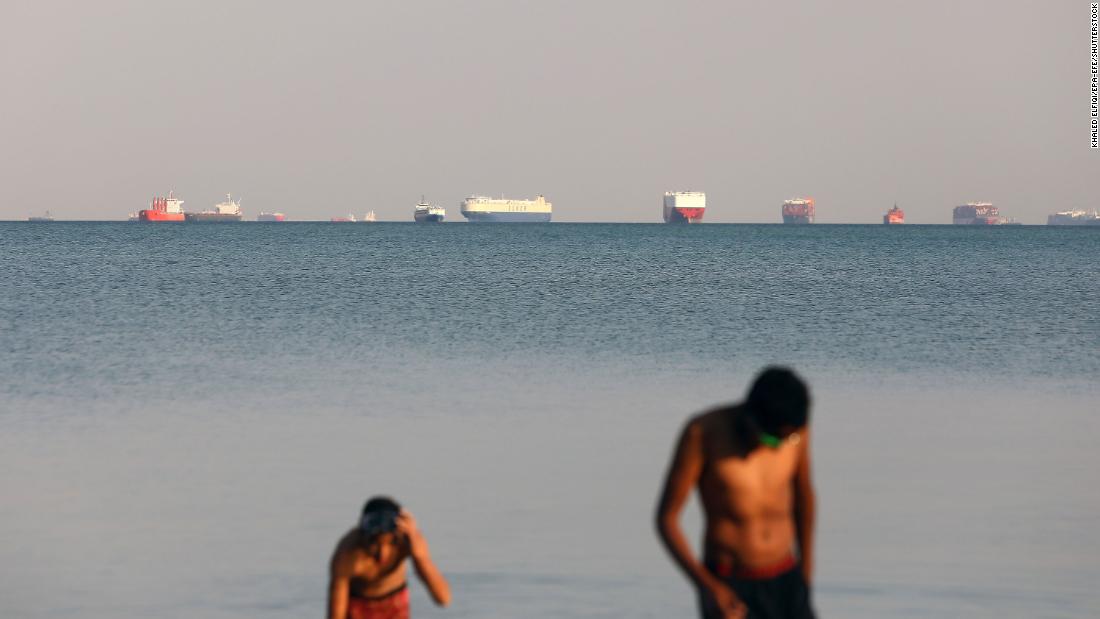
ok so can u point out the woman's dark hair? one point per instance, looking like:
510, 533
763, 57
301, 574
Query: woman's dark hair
778, 398
379, 516
380, 504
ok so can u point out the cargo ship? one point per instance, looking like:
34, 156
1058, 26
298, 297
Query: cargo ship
894, 216
482, 209
271, 217
978, 214
41, 218
426, 213
798, 211
223, 212
369, 217
350, 219
684, 207
1074, 218
163, 209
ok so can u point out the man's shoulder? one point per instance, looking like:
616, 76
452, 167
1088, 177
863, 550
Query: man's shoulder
715, 418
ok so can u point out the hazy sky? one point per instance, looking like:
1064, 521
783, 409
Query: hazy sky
341, 107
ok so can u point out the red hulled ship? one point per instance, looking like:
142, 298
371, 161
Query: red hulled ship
894, 216
163, 209
684, 207
798, 211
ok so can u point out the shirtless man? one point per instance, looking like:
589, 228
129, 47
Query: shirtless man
369, 579
751, 464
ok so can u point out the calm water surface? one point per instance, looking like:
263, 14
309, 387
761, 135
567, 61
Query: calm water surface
191, 415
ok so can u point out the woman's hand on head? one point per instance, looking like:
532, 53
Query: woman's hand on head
410, 533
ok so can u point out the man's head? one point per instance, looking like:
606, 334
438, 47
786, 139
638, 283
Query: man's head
779, 402
379, 516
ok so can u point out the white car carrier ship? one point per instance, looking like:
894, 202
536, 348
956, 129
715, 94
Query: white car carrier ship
483, 209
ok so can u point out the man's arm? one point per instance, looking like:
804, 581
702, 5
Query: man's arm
683, 474
425, 568
805, 506
339, 584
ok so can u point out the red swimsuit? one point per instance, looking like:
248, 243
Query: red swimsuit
393, 605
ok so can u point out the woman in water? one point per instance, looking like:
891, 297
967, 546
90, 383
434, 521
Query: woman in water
369, 579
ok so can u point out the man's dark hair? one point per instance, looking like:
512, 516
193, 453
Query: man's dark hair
380, 504
778, 398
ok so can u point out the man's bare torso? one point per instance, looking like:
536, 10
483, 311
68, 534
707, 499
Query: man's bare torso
747, 498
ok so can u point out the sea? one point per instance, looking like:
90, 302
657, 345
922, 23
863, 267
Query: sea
192, 415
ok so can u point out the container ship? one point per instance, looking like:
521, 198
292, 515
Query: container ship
163, 209
978, 214
798, 211
1074, 218
489, 210
227, 211
271, 217
894, 216
684, 207
428, 213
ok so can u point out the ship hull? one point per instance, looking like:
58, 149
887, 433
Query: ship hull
151, 215
428, 218
892, 220
978, 221
683, 215
1069, 220
797, 219
506, 218
211, 218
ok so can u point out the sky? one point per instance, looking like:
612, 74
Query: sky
321, 109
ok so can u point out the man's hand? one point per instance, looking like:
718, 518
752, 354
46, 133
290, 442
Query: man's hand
407, 529
725, 601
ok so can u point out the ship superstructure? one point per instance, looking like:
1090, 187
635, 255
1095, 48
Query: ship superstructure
798, 211
684, 207
978, 214
369, 217
227, 211
163, 209
894, 216
1074, 218
491, 210
428, 213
